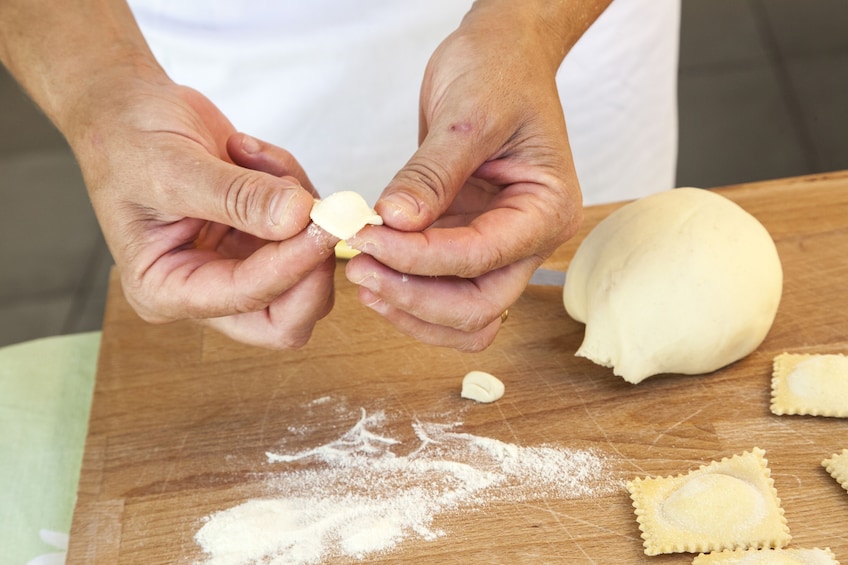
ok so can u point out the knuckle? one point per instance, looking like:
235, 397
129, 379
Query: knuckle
247, 304
473, 322
290, 339
477, 343
145, 303
484, 259
564, 205
295, 334
150, 316
573, 222
429, 175
240, 198
481, 319
328, 306
479, 315
247, 297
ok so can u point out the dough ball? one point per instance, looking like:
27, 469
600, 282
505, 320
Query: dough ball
682, 281
343, 214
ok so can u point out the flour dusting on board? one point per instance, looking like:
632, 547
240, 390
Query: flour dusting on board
357, 496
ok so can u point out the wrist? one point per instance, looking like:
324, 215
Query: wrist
70, 62
549, 28
103, 101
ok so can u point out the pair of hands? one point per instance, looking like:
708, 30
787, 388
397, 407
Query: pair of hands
210, 224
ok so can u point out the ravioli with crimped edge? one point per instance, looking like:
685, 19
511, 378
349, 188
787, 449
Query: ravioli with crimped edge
837, 466
792, 556
810, 384
727, 504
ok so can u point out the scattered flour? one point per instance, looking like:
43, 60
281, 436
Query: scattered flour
355, 497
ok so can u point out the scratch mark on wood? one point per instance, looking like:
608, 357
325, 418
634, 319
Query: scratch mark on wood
564, 528
268, 405
174, 460
683, 421
508, 425
610, 443
558, 514
779, 421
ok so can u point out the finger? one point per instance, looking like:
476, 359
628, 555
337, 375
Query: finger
520, 225
252, 153
288, 322
424, 188
432, 334
258, 203
468, 305
199, 283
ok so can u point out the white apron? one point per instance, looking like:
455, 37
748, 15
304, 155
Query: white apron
336, 83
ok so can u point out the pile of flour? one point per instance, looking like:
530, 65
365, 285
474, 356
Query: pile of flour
356, 497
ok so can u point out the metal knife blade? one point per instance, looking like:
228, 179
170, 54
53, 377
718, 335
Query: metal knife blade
548, 277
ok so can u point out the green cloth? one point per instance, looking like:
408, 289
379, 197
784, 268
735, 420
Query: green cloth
46, 389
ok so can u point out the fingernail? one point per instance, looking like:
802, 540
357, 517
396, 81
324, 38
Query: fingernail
281, 202
378, 306
250, 145
373, 301
362, 244
369, 281
400, 204
323, 240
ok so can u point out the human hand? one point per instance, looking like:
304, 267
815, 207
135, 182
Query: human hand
204, 223
490, 193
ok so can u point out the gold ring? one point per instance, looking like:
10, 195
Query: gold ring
505, 315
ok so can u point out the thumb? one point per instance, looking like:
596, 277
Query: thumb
261, 204
427, 185
253, 153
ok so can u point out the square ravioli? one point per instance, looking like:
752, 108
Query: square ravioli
769, 557
814, 385
728, 504
837, 466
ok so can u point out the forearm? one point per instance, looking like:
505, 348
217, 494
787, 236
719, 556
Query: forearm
549, 27
64, 53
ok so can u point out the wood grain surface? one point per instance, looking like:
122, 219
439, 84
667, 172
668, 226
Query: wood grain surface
182, 417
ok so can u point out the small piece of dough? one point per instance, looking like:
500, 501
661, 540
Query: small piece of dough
814, 385
793, 556
345, 251
729, 504
482, 387
683, 281
343, 214
837, 466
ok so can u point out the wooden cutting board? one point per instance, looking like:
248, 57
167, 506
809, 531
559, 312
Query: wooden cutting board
182, 417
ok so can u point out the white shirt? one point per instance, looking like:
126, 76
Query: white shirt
336, 83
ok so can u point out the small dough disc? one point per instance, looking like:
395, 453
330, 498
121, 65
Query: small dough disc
343, 214
482, 387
